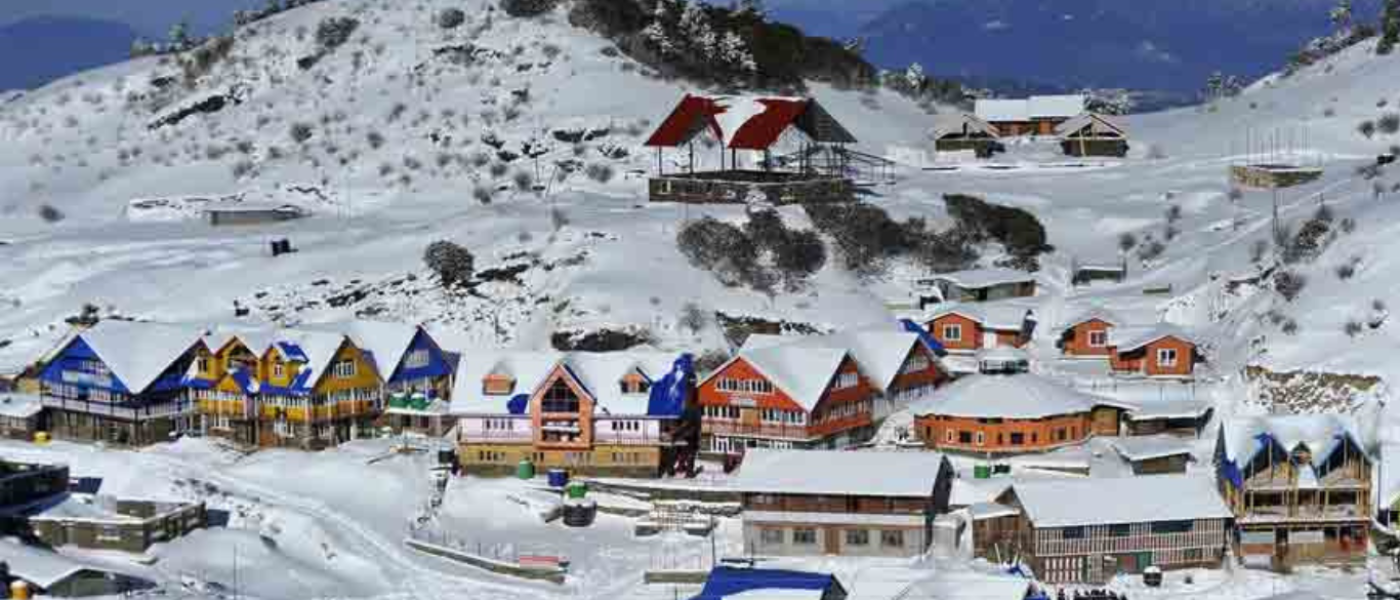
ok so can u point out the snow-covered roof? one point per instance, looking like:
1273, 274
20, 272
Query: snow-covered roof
386, 342
137, 353
1170, 409
19, 406
1101, 501
1097, 124
317, 347
960, 122
40, 566
802, 372
839, 472
1127, 339
962, 584
990, 510
1003, 354
1034, 107
1244, 437
983, 278
747, 122
1004, 316
1094, 313
600, 373
1148, 447
1020, 396
879, 353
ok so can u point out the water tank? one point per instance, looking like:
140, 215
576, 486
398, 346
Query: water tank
580, 512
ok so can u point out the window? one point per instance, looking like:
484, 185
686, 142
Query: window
417, 359
964, 437
1166, 357
1098, 339
857, 537
949, 435
1171, 527
952, 333
497, 385
344, 369
770, 537
804, 536
892, 538
204, 364
559, 398
108, 533
1072, 533
635, 385
1120, 530
916, 363
981, 438
744, 386
279, 370
1017, 438
847, 380
1193, 555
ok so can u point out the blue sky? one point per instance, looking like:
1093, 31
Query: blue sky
152, 17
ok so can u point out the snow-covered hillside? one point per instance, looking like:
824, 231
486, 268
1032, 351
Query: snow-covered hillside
411, 127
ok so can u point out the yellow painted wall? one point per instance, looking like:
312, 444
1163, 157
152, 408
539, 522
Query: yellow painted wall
267, 373
365, 377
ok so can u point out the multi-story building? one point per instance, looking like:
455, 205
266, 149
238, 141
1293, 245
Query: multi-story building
1299, 485
814, 392
417, 374
1088, 530
1010, 414
814, 502
121, 382
970, 328
621, 413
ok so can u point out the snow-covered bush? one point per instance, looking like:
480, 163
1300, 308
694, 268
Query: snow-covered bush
523, 181
50, 214
693, 317
1352, 328
301, 132
375, 139
482, 194
718, 247
1367, 128
1289, 284
599, 172
1126, 241
1389, 123
333, 32
452, 263
528, 8
451, 18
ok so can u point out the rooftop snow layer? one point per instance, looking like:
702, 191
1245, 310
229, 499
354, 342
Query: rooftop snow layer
19, 406
803, 372
1021, 396
1098, 501
981, 278
137, 353
40, 566
850, 473
880, 354
1003, 316
1170, 409
1126, 339
600, 373
386, 342
1321, 434
1093, 313
1140, 448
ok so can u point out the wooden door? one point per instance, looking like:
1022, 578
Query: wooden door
748, 417
833, 540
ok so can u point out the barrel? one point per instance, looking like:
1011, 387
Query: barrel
447, 457
579, 512
576, 490
19, 590
41, 437
982, 471
525, 469
558, 478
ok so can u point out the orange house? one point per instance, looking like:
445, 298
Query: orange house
1088, 334
1010, 414
1162, 351
968, 329
785, 396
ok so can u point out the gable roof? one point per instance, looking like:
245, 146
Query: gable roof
1095, 124
318, 348
880, 354
1148, 447
1001, 316
1106, 501
1093, 313
982, 278
528, 368
747, 122
1127, 339
44, 567
1244, 438
1019, 396
599, 373
961, 123
386, 342
802, 372
911, 474
137, 353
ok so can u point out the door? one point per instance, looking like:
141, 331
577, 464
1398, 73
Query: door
748, 419
989, 339
832, 537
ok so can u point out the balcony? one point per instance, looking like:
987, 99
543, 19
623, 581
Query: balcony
150, 411
764, 430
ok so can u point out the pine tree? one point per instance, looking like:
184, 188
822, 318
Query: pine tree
914, 78
139, 48
1390, 27
1341, 14
656, 33
180, 36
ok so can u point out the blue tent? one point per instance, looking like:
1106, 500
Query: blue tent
668, 396
728, 581
932, 343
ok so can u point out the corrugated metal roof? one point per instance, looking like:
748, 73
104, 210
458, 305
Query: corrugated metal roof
747, 122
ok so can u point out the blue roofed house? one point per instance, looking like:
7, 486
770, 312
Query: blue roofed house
417, 374
121, 382
619, 413
735, 583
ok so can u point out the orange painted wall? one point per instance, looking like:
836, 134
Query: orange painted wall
921, 378
834, 398
1009, 338
1144, 360
710, 395
1077, 343
971, 332
1039, 433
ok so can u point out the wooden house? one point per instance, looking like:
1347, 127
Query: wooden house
1299, 486
110, 523
824, 392
1036, 115
50, 574
21, 415
1182, 418
626, 414
983, 285
970, 328
1086, 334
1088, 530
1153, 455
417, 374
1160, 351
752, 125
815, 502
252, 214
1012, 414
960, 131
121, 382
230, 372
1092, 134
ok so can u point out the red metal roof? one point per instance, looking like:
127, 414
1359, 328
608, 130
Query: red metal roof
744, 123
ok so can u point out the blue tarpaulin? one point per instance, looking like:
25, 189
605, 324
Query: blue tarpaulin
933, 344
668, 396
728, 581
518, 404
